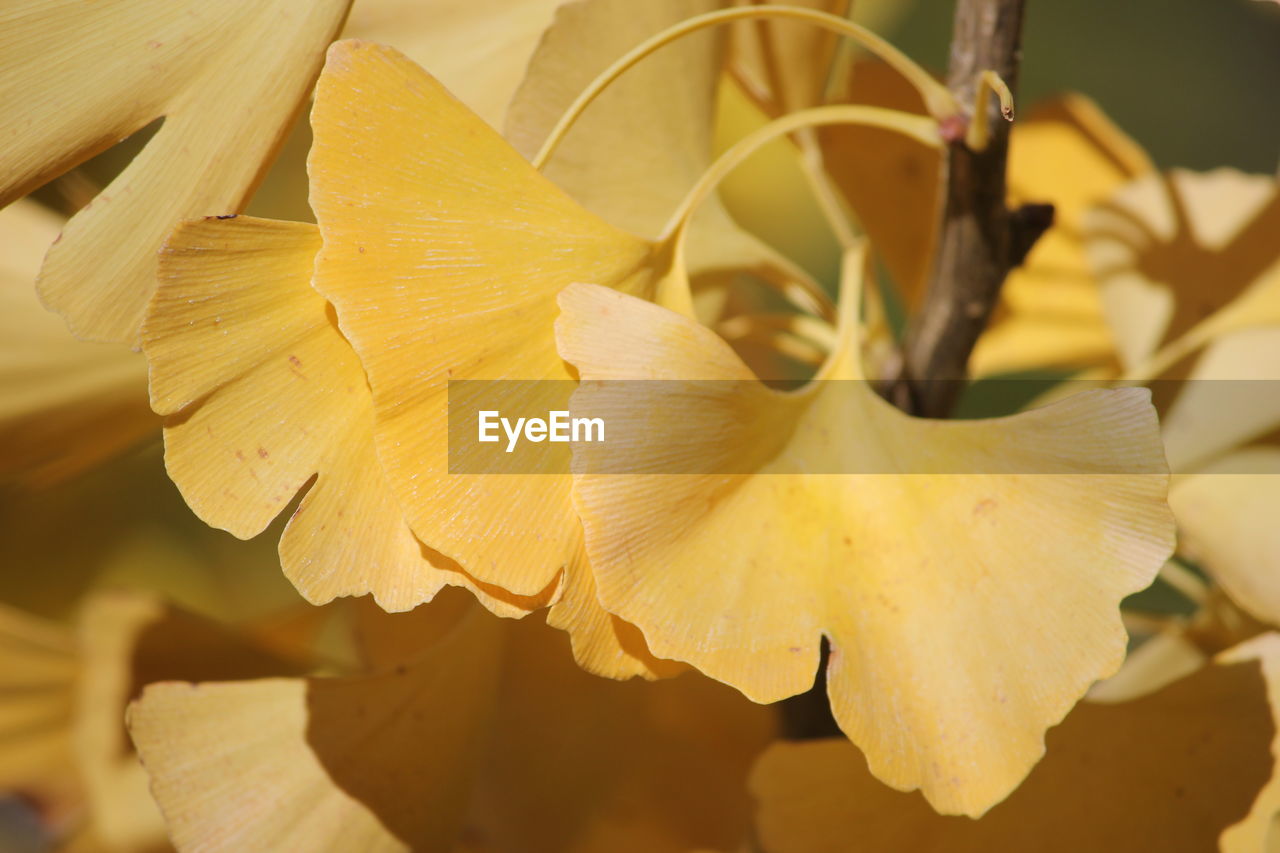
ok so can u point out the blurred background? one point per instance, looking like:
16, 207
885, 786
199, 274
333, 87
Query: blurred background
1194, 81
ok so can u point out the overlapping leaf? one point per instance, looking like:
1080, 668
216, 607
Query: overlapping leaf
479, 49
127, 640
443, 252
787, 65
76, 77
1185, 258
952, 653
655, 122
371, 762
889, 180
1176, 770
489, 734
1190, 273
263, 393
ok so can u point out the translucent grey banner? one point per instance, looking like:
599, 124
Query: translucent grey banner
730, 427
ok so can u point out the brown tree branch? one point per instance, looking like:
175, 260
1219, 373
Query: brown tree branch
979, 238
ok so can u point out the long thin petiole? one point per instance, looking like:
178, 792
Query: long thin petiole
1184, 581
921, 128
979, 134
795, 284
938, 100
814, 169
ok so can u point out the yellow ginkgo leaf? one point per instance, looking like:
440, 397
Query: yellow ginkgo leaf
1226, 515
890, 180
443, 250
77, 77
373, 762
38, 670
760, 521
1184, 258
1227, 400
264, 394
65, 405
127, 640
656, 122
479, 49
1067, 153
1169, 771
602, 643
488, 738
63, 694
786, 65
1258, 830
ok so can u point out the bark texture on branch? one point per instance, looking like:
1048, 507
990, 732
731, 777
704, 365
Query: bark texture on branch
979, 239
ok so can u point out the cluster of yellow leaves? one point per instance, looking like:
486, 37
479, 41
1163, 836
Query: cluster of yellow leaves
442, 253
444, 725
967, 610
1169, 769
1143, 277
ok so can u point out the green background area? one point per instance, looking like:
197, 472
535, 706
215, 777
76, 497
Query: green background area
1193, 81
